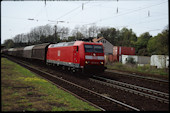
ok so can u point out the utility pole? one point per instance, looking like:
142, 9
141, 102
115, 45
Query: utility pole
55, 34
45, 2
55, 29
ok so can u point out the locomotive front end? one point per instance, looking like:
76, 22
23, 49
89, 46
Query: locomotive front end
94, 57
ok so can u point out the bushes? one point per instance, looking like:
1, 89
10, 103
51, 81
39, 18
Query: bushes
147, 69
131, 61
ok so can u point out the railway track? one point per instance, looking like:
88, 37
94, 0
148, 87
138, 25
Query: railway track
149, 93
98, 100
140, 77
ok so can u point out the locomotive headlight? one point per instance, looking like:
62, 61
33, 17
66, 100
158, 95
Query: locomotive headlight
101, 62
87, 62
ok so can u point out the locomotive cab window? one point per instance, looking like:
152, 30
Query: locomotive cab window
93, 48
98, 49
88, 48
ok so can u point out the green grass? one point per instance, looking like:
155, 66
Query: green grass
146, 69
22, 90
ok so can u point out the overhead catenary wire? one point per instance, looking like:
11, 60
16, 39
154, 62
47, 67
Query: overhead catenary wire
122, 14
150, 21
141, 19
80, 12
33, 19
82, 9
68, 12
72, 10
136, 24
46, 13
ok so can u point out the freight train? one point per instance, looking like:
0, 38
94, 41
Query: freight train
76, 55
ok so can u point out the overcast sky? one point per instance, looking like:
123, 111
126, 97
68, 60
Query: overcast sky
139, 15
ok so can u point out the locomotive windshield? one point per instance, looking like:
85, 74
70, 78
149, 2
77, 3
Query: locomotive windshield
93, 48
98, 49
88, 48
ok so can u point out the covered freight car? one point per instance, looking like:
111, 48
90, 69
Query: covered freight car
39, 51
12, 51
4, 51
27, 52
19, 52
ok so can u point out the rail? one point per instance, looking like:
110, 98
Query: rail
153, 94
67, 84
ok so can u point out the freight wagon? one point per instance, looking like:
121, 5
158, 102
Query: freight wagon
27, 52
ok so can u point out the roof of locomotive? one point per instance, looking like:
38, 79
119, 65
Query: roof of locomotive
61, 44
75, 43
82, 42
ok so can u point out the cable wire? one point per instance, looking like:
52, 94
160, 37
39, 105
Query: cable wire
128, 12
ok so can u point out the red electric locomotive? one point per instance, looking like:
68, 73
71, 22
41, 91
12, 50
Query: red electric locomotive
77, 55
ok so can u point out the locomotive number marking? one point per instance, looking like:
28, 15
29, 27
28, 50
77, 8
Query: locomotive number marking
58, 52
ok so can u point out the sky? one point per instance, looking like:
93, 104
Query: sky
141, 16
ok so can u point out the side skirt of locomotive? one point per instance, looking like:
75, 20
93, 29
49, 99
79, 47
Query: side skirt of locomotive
71, 66
76, 67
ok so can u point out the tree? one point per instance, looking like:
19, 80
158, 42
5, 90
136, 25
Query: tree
141, 44
152, 46
164, 41
127, 37
159, 44
109, 33
77, 33
9, 43
71, 38
92, 31
51, 39
64, 31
